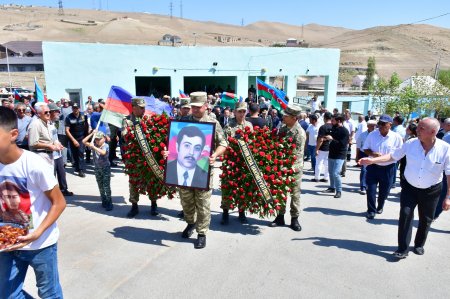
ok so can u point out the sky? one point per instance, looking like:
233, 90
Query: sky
350, 14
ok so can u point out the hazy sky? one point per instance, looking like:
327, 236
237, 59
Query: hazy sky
343, 13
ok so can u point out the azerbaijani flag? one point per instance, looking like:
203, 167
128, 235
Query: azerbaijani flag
39, 94
183, 95
228, 99
117, 106
17, 96
277, 97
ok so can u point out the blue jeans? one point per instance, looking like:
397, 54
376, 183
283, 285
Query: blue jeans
13, 268
334, 168
362, 175
380, 176
312, 153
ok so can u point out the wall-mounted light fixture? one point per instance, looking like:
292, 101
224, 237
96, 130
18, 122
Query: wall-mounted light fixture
215, 63
155, 69
281, 70
263, 70
307, 70
135, 70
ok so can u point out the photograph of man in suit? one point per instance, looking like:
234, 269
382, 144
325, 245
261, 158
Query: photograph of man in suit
184, 171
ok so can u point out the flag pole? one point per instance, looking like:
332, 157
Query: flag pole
7, 64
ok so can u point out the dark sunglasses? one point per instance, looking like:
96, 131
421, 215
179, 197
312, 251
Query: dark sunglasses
20, 110
47, 112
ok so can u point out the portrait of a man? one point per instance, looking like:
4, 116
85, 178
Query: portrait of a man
184, 170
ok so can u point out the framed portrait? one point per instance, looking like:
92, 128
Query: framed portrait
190, 144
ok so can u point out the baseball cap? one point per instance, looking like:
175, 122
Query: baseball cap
385, 118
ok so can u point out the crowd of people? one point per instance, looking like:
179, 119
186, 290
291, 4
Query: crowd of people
61, 134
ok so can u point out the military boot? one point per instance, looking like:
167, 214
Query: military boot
242, 217
154, 209
279, 221
134, 210
295, 225
225, 217
188, 231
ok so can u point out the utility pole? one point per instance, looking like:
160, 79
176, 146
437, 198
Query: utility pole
438, 66
242, 22
181, 9
61, 10
171, 9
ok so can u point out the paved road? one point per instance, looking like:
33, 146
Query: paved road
338, 254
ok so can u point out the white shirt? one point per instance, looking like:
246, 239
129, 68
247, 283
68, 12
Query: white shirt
313, 131
361, 139
33, 176
314, 106
399, 129
361, 128
383, 145
423, 171
180, 173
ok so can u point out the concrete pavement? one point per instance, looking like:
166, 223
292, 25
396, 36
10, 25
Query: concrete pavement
338, 254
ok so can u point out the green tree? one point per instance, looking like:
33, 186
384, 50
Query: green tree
370, 74
385, 92
444, 78
406, 102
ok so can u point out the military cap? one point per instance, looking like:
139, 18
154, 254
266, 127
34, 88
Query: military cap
241, 106
99, 135
292, 110
198, 98
75, 105
185, 103
53, 107
138, 102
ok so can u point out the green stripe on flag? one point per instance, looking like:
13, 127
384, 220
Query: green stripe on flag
268, 96
113, 118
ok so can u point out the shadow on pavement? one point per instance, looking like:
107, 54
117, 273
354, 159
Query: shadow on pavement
235, 227
147, 235
334, 212
357, 246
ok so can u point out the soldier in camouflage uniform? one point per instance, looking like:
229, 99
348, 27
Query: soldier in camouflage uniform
230, 129
292, 129
185, 109
197, 203
138, 106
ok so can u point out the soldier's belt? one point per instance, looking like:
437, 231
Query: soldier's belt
255, 171
151, 161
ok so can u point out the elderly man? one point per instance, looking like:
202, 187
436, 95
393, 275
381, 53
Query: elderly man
427, 157
380, 142
23, 123
237, 123
371, 125
77, 128
40, 135
292, 129
197, 203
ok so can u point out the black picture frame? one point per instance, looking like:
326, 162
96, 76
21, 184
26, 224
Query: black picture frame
196, 147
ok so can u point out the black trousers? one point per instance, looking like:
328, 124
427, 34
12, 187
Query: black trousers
113, 142
426, 201
78, 155
60, 173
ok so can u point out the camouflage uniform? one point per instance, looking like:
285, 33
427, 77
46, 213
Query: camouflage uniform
129, 122
103, 177
298, 136
197, 203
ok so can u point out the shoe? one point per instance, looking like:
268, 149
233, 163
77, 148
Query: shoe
323, 180
225, 217
362, 192
201, 242
370, 215
112, 175
154, 210
67, 193
314, 180
401, 254
113, 164
279, 221
337, 195
109, 206
419, 250
81, 174
134, 210
343, 175
181, 214
329, 190
88, 161
295, 225
306, 159
380, 211
188, 231
242, 218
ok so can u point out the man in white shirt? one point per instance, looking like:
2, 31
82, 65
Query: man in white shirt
351, 127
311, 137
427, 157
380, 142
371, 125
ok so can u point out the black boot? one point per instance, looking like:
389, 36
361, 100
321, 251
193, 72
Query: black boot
279, 221
188, 231
242, 217
295, 225
154, 209
134, 210
109, 205
201, 242
181, 214
225, 217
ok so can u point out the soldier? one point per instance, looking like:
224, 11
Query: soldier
292, 129
138, 106
230, 129
185, 109
197, 203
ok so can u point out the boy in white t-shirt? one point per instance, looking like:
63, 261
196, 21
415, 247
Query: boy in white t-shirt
37, 203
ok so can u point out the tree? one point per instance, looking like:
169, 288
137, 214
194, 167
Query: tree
444, 78
370, 74
385, 92
406, 102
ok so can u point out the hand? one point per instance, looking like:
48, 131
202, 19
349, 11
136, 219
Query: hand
165, 153
212, 159
446, 204
76, 144
376, 154
23, 241
317, 152
365, 161
328, 137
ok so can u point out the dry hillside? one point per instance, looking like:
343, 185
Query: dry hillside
405, 49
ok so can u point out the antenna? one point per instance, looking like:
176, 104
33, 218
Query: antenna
171, 9
61, 9
181, 9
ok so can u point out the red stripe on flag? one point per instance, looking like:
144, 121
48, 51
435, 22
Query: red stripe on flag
118, 106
